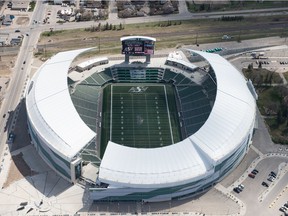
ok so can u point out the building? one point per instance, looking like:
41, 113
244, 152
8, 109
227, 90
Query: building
87, 65
7, 19
15, 41
64, 2
20, 5
207, 153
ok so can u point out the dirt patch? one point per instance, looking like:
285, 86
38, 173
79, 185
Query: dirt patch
22, 20
18, 170
6, 63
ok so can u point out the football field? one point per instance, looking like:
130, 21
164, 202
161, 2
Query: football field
140, 115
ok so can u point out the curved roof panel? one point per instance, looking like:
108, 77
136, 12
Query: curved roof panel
151, 167
229, 123
51, 110
234, 109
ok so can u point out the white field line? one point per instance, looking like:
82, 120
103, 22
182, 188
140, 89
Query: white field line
168, 112
111, 112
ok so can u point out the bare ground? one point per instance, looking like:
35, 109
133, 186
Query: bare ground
6, 63
22, 20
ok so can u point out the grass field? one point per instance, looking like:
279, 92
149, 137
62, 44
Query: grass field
202, 30
139, 115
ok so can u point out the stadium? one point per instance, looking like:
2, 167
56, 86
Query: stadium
150, 130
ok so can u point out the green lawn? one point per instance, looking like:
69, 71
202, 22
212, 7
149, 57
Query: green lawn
145, 119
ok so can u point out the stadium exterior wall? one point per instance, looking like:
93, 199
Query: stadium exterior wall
55, 161
50, 110
178, 191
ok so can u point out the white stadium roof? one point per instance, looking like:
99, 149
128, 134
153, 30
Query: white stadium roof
226, 127
50, 108
137, 166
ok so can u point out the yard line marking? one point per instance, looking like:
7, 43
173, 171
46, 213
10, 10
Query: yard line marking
111, 112
147, 121
166, 100
133, 119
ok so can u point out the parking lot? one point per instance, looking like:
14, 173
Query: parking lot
261, 200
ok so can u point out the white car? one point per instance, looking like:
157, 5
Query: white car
271, 179
226, 37
241, 186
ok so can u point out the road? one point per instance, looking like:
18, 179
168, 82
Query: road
14, 93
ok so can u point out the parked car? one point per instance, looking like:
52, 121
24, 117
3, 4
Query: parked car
273, 174
265, 184
237, 190
17, 30
282, 209
271, 179
251, 175
241, 187
11, 138
255, 170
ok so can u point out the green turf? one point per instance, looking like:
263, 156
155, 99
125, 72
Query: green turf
143, 120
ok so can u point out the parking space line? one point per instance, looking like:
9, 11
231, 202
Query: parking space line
256, 150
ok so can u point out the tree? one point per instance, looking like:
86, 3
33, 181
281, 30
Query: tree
279, 117
120, 26
250, 67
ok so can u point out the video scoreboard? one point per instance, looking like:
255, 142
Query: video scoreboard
138, 46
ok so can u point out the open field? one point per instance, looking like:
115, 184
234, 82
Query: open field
6, 63
177, 34
140, 115
260, 76
226, 5
286, 75
273, 105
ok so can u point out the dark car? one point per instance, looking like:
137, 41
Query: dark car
11, 138
236, 190
251, 175
24, 62
283, 209
17, 30
255, 170
273, 173
265, 184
